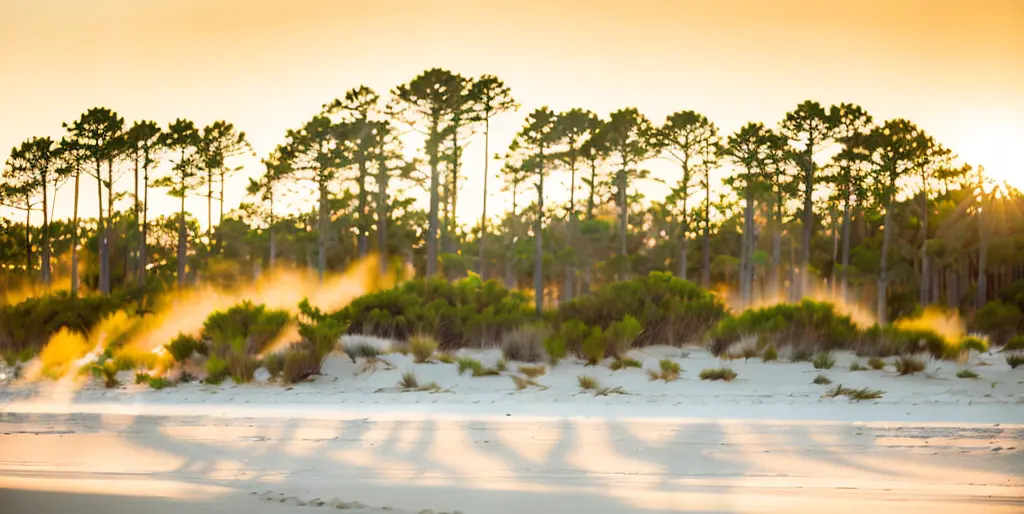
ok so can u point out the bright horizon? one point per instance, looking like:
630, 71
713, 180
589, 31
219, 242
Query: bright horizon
955, 69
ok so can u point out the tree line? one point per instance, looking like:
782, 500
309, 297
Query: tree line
875, 212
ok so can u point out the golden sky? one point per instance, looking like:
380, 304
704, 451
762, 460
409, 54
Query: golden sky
954, 67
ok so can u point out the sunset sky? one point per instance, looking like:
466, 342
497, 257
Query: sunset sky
954, 67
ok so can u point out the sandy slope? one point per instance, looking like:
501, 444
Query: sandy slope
766, 442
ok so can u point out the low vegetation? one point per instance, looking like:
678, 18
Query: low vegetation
966, 373
361, 350
525, 382
856, 366
821, 380
1015, 344
770, 354
531, 371
1015, 359
526, 343
876, 363
588, 383
410, 383
624, 362
422, 347
808, 325
725, 374
854, 394
908, 365
668, 370
823, 361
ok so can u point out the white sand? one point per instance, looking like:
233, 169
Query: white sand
766, 442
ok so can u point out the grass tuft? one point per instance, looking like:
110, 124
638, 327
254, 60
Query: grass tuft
770, 354
525, 382
854, 394
966, 373
588, 383
532, 371
855, 366
468, 364
908, 365
822, 380
823, 361
624, 362
422, 347
1015, 359
445, 358
364, 350
725, 374
876, 363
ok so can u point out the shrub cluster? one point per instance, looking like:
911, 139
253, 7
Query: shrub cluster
807, 325
27, 326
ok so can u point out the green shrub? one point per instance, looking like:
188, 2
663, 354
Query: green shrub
555, 348
182, 347
246, 327
854, 394
159, 383
274, 363
1014, 344
718, 374
876, 363
821, 380
621, 334
320, 330
107, 372
588, 383
908, 365
998, 320
409, 381
801, 355
824, 361
526, 343
891, 340
966, 373
770, 354
670, 370
593, 346
445, 358
216, 369
364, 350
807, 324
27, 326
12, 357
241, 367
625, 362
422, 347
141, 378
469, 364
668, 309
855, 366
1015, 359
969, 343
301, 362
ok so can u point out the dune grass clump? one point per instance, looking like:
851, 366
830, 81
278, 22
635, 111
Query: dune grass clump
422, 347
856, 366
588, 383
669, 369
532, 371
966, 373
525, 382
823, 361
620, 335
624, 362
141, 378
159, 383
593, 346
908, 365
183, 347
301, 362
363, 350
241, 367
1015, 359
725, 374
801, 354
445, 358
876, 363
821, 380
854, 394
770, 354
409, 383
526, 343
274, 363
216, 370
606, 391
468, 364
555, 348
807, 324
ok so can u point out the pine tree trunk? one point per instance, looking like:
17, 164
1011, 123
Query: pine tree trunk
706, 271
382, 215
220, 217
684, 247
844, 271
143, 258
28, 238
434, 202
100, 231
570, 269
74, 238
181, 242
805, 250
273, 248
46, 235
209, 212
510, 278
538, 257
481, 259
321, 254
363, 241
883, 268
926, 274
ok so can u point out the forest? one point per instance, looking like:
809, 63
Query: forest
830, 204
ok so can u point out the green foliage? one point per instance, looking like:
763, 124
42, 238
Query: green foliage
246, 327
301, 362
422, 347
1014, 359
801, 354
908, 365
64, 348
668, 370
718, 374
182, 347
1014, 344
141, 378
856, 366
555, 348
966, 373
669, 310
445, 358
621, 334
821, 380
12, 357
876, 363
891, 340
969, 343
241, 367
274, 363
854, 394
593, 346
1000, 321
824, 361
807, 324
466, 312
216, 369
526, 343
770, 354
469, 364
107, 372
28, 325
588, 383
363, 350
624, 362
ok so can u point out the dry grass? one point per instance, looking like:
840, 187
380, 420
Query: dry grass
525, 343
588, 383
855, 366
532, 371
876, 363
822, 380
823, 361
725, 374
422, 347
525, 382
854, 394
445, 358
605, 391
410, 383
907, 365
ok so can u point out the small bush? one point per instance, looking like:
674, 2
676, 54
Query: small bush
422, 347
445, 358
159, 383
409, 381
821, 380
241, 367
141, 378
808, 324
748, 351
247, 327
468, 364
364, 350
969, 343
998, 320
587, 383
669, 369
801, 355
216, 370
501, 365
770, 354
555, 348
1015, 344
274, 363
532, 371
621, 334
526, 343
625, 362
855, 366
908, 365
593, 346
854, 394
966, 373
107, 372
718, 374
1015, 359
182, 347
301, 362
876, 363
824, 361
